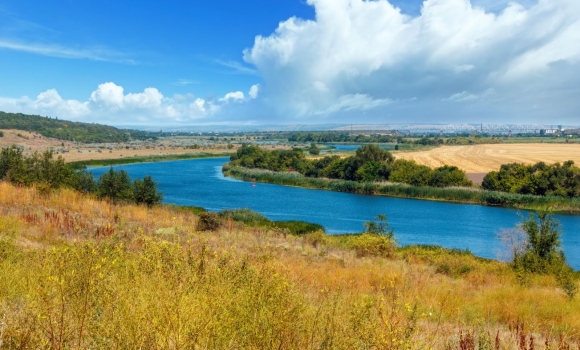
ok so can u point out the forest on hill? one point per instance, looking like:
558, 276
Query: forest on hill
69, 131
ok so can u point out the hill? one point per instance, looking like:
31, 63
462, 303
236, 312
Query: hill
69, 131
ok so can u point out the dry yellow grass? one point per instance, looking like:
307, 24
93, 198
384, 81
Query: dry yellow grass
129, 277
35, 142
486, 158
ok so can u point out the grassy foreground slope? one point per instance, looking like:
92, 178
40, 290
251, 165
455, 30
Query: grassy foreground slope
67, 130
83, 273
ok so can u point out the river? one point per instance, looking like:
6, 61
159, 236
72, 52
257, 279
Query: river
200, 182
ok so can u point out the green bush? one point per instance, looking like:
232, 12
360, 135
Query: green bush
253, 218
313, 150
542, 253
244, 215
298, 227
369, 244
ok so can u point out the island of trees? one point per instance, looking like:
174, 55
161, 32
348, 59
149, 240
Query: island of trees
369, 164
372, 170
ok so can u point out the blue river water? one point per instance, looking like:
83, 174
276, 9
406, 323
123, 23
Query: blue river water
201, 183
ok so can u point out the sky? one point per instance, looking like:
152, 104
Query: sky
255, 62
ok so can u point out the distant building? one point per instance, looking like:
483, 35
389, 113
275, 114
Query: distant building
569, 132
553, 132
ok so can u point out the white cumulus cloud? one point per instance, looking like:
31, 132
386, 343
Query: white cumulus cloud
367, 56
254, 90
236, 96
110, 104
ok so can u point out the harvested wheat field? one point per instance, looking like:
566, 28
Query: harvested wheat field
485, 158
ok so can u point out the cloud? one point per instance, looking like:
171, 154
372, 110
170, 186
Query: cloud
467, 96
354, 102
367, 56
237, 68
254, 90
237, 96
184, 82
55, 50
110, 104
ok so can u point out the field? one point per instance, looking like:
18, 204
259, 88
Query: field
78, 272
486, 158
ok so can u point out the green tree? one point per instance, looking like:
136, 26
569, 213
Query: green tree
145, 191
313, 150
370, 171
542, 253
368, 153
409, 172
10, 158
115, 185
379, 227
446, 176
84, 182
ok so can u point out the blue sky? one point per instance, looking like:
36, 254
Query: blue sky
292, 62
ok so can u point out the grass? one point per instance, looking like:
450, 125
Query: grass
456, 195
145, 159
253, 219
76, 272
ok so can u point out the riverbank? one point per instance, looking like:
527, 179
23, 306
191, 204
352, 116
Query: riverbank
144, 159
455, 195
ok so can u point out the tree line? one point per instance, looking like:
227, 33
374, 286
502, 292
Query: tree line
67, 130
539, 179
326, 137
48, 173
369, 164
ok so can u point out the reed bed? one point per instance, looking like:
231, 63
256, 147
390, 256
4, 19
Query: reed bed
452, 194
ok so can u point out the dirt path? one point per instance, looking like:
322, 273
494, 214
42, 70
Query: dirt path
485, 158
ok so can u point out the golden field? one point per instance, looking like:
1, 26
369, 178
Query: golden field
485, 158
76, 272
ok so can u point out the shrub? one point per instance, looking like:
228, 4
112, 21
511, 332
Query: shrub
298, 227
371, 245
208, 221
542, 253
313, 150
379, 227
245, 215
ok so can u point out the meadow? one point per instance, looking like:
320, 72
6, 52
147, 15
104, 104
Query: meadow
77, 272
